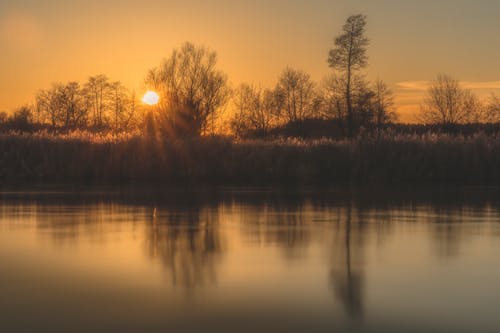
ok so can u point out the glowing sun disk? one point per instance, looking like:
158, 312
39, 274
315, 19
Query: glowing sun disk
151, 98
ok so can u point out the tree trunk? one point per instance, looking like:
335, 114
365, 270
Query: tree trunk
350, 127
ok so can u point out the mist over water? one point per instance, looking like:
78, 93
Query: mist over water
250, 261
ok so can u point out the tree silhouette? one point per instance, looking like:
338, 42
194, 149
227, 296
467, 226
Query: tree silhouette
448, 103
193, 90
492, 110
383, 103
21, 119
123, 106
97, 90
189, 243
347, 276
255, 110
63, 105
296, 95
332, 91
349, 56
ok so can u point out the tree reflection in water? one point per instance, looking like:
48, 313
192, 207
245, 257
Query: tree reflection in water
347, 274
189, 237
189, 244
280, 223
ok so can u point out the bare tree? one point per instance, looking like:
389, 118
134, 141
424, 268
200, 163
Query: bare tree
349, 56
296, 95
46, 107
97, 90
63, 105
383, 103
193, 90
255, 110
371, 103
71, 105
123, 107
99, 103
492, 110
447, 103
333, 95
363, 101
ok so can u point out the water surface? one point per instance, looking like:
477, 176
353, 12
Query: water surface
250, 261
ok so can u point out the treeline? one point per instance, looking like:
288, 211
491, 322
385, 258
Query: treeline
196, 99
195, 93
99, 104
296, 102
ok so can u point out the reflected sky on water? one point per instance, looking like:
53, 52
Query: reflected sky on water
250, 261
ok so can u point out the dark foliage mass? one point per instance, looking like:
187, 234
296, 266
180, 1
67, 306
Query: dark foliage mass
385, 156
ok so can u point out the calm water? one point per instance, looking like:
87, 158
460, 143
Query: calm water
258, 261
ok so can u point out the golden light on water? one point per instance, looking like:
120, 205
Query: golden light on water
151, 98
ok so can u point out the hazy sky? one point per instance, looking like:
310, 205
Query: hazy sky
411, 41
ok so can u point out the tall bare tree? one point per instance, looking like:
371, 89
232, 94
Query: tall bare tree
349, 56
448, 103
296, 95
193, 90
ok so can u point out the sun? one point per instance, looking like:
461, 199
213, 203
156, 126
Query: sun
151, 98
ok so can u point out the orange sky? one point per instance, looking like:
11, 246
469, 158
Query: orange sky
411, 41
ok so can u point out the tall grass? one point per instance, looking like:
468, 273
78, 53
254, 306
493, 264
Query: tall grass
82, 157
